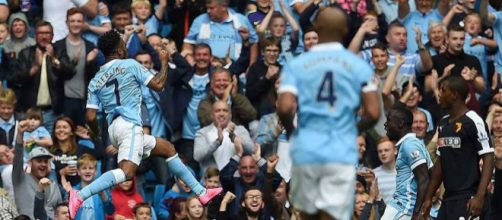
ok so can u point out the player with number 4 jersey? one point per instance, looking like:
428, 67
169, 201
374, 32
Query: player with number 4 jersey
327, 84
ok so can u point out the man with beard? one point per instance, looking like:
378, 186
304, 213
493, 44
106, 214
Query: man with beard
252, 205
251, 170
463, 142
412, 165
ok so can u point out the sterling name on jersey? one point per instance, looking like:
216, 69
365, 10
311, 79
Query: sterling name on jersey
117, 86
411, 153
460, 145
328, 81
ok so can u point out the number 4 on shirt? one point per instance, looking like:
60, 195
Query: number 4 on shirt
326, 92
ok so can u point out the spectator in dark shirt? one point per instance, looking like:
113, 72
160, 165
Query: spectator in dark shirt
261, 77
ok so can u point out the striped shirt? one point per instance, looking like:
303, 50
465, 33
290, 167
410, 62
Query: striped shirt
412, 62
386, 182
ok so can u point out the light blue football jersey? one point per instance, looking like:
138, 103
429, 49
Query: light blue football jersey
412, 153
327, 81
117, 85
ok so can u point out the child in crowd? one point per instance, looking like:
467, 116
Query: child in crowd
97, 205
98, 25
211, 181
177, 209
124, 198
275, 22
7, 118
142, 211
195, 210
180, 189
36, 135
142, 15
477, 45
212, 178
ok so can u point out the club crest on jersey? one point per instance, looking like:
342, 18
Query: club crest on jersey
453, 142
415, 154
458, 126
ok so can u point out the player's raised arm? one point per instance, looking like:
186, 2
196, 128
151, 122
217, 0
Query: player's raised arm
370, 106
159, 80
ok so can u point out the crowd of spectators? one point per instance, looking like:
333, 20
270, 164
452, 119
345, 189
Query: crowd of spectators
218, 105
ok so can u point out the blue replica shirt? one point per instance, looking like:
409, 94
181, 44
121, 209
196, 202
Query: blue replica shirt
327, 82
497, 35
39, 133
152, 24
97, 21
190, 120
420, 20
221, 36
117, 85
412, 153
478, 51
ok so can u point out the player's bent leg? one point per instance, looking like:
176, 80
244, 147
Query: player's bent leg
166, 149
163, 148
129, 168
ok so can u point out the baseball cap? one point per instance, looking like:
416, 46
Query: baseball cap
39, 152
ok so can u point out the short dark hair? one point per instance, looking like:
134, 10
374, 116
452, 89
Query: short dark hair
59, 205
141, 205
395, 24
270, 41
405, 85
308, 29
380, 46
142, 52
249, 189
458, 85
22, 217
220, 2
455, 28
109, 42
44, 23
403, 114
221, 70
203, 46
120, 8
